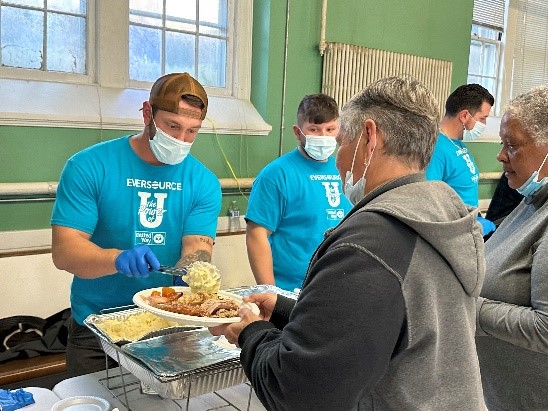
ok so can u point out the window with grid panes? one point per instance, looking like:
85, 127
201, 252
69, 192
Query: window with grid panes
177, 36
512, 34
98, 73
486, 44
530, 51
33, 35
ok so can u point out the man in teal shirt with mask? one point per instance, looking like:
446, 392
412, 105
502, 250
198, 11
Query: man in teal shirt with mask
466, 112
296, 198
127, 205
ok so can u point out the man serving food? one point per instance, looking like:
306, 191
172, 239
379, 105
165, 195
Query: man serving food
125, 205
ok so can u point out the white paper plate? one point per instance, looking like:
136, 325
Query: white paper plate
190, 319
82, 403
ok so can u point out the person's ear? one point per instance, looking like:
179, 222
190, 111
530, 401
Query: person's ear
370, 132
297, 132
463, 116
147, 113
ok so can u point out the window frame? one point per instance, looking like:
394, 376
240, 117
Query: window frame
509, 38
230, 50
491, 133
62, 77
106, 98
497, 76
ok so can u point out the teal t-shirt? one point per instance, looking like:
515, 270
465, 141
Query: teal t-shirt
110, 193
452, 162
298, 200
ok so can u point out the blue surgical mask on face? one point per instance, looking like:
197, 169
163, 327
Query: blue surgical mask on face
319, 148
532, 185
475, 133
168, 149
355, 192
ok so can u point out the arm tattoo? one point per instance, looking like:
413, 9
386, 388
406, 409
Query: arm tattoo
206, 240
198, 255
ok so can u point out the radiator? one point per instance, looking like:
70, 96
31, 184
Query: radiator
348, 69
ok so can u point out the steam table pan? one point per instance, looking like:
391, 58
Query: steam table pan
176, 362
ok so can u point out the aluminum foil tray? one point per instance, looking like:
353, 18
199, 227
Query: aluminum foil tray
185, 384
262, 288
175, 383
183, 353
94, 320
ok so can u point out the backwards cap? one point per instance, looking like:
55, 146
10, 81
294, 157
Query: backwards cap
167, 91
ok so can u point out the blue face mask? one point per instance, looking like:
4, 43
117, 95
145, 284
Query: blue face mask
168, 149
319, 148
532, 185
475, 133
354, 192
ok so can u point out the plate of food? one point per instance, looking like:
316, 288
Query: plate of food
181, 305
200, 304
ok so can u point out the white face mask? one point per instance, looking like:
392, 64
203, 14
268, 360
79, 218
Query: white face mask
319, 147
168, 149
532, 185
355, 192
475, 133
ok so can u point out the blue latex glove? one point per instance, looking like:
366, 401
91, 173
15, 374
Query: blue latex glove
11, 400
137, 262
486, 225
179, 281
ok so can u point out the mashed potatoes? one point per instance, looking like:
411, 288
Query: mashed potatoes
133, 327
203, 276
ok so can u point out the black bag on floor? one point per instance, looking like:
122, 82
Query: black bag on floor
24, 336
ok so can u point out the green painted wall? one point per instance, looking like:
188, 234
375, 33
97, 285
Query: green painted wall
280, 77
432, 28
485, 154
437, 29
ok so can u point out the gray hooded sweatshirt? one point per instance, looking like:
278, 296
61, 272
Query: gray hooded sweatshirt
386, 316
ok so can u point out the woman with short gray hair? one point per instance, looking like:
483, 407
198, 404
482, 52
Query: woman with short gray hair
512, 320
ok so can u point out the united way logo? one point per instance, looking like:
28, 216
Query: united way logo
332, 193
335, 214
151, 209
150, 238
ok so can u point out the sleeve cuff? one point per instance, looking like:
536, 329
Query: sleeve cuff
282, 310
479, 330
253, 328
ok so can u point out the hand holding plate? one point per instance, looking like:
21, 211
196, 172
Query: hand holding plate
232, 331
265, 302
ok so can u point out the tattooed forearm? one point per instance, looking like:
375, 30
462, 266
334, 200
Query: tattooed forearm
207, 240
198, 255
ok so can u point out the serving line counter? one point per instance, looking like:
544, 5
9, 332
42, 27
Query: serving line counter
181, 368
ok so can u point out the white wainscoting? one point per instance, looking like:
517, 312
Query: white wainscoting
31, 285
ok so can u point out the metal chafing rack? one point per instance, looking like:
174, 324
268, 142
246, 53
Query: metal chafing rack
177, 362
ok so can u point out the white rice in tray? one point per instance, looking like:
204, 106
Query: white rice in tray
133, 327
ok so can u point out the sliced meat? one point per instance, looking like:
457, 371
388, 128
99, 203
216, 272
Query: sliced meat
211, 307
